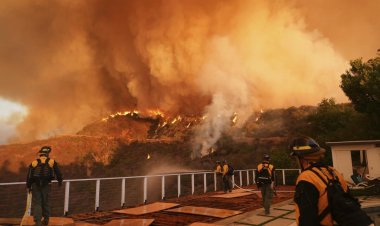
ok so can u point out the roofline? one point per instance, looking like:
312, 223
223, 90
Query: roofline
353, 142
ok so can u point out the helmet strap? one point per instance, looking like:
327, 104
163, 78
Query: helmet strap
300, 163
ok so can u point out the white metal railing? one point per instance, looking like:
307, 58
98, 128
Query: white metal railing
145, 178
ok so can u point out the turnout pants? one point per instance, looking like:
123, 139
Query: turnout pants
40, 202
267, 194
227, 183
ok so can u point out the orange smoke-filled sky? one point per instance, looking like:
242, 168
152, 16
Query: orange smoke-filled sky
72, 62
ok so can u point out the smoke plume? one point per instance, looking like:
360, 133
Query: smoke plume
73, 62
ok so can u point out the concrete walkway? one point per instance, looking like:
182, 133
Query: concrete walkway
283, 214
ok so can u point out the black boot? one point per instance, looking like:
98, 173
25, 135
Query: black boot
45, 222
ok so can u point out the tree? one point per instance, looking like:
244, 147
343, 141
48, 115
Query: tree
361, 84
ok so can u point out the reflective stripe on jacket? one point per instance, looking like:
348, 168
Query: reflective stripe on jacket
310, 177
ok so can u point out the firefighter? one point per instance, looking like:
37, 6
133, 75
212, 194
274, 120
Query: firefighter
40, 174
227, 178
311, 195
219, 174
265, 181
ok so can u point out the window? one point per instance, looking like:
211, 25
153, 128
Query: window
359, 162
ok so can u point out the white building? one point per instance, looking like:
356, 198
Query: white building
363, 156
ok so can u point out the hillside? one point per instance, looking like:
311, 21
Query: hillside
124, 143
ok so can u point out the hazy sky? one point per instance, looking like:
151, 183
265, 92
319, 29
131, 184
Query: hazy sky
72, 62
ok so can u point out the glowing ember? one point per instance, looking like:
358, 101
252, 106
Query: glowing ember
148, 157
234, 118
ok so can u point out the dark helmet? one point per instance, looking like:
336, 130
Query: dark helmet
266, 157
45, 150
304, 146
224, 161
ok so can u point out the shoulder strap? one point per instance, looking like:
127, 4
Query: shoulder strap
327, 209
319, 175
50, 162
35, 163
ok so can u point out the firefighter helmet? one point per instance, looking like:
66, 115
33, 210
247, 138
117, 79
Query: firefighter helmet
45, 150
305, 146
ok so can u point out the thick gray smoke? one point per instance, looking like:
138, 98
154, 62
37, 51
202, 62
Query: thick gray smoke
73, 62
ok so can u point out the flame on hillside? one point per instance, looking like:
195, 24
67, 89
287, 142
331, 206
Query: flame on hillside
125, 113
234, 118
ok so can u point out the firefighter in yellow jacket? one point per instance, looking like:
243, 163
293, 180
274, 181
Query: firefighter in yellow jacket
219, 175
265, 181
40, 174
227, 178
311, 197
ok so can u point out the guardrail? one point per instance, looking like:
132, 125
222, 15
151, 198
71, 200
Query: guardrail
238, 174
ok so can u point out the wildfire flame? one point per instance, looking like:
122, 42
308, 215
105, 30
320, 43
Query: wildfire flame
125, 113
156, 113
258, 117
234, 118
179, 118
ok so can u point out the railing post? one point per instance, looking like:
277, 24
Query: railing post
204, 183
163, 187
283, 177
215, 181
192, 184
253, 177
247, 177
67, 195
179, 184
241, 179
97, 195
145, 189
123, 192
233, 181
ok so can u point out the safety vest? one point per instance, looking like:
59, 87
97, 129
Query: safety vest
310, 177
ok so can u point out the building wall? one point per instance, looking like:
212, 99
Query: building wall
343, 163
373, 156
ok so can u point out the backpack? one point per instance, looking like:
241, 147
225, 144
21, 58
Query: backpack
264, 176
43, 172
344, 208
230, 170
